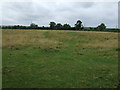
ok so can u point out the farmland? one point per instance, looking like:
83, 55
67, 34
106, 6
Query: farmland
59, 59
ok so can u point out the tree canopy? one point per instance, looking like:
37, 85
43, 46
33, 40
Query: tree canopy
101, 27
52, 25
78, 25
33, 25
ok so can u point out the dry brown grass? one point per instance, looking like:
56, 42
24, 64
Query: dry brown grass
37, 38
25, 38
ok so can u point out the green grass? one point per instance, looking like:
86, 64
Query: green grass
59, 59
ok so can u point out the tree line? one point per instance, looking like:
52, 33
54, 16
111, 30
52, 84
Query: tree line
58, 26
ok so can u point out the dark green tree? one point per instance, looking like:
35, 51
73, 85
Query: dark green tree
66, 26
101, 27
78, 25
33, 26
59, 26
52, 25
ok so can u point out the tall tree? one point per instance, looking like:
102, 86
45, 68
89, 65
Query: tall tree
66, 26
101, 27
33, 25
78, 25
59, 26
52, 25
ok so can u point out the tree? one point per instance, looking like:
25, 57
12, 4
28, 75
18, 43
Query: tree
52, 25
33, 26
66, 26
59, 26
101, 27
78, 25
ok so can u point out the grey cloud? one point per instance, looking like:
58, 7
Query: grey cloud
41, 13
84, 4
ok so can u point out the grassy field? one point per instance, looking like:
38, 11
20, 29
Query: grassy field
59, 59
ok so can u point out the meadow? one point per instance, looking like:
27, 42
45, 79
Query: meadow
59, 59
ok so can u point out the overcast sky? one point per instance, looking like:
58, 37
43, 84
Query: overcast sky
41, 13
